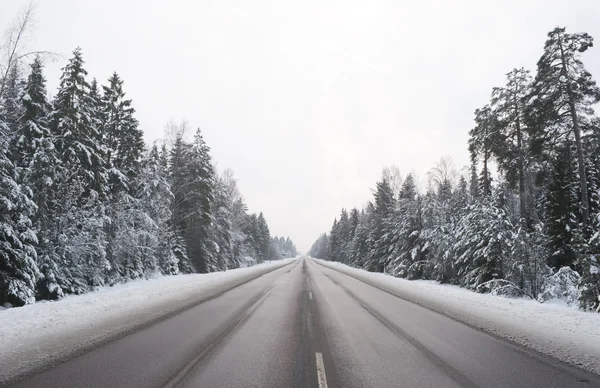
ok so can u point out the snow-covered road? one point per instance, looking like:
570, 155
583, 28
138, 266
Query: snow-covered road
36, 335
554, 329
278, 325
307, 325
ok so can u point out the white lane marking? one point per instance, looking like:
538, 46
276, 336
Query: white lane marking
310, 295
321, 371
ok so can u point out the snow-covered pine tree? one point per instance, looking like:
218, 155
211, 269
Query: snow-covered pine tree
79, 239
154, 195
562, 211
11, 107
123, 138
320, 247
481, 144
485, 236
39, 168
361, 243
406, 256
18, 269
379, 237
512, 146
193, 186
264, 238
560, 105
221, 228
130, 229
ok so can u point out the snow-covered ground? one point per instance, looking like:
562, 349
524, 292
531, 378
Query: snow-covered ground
45, 332
551, 328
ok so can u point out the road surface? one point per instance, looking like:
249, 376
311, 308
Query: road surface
302, 326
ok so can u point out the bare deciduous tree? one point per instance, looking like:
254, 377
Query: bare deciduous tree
13, 48
443, 175
394, 178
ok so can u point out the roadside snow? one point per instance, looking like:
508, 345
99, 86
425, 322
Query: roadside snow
551, 328
37, 335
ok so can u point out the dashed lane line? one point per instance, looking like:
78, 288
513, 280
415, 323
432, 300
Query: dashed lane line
321, 371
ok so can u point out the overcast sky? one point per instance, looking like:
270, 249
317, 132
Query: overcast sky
306, 101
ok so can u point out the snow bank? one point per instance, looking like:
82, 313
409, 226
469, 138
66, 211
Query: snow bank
551, 328
37, 335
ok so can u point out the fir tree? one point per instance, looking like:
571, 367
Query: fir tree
122, 136
18, 270
75, 130
40, 169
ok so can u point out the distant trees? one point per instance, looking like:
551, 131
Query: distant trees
284, 248
522, 233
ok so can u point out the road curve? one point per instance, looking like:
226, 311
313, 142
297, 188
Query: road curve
306, 325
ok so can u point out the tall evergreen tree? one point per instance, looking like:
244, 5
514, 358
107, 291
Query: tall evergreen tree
562, 97
79, 222
512, 146
18, 269
40, 170
122, 136
563, 214
481, 144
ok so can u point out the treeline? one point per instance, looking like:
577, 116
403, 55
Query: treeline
84, 203
533, 231
284, 247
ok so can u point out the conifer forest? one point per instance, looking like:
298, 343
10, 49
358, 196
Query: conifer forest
85, 202
524, 220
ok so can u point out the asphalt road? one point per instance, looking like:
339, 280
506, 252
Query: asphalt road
302, 326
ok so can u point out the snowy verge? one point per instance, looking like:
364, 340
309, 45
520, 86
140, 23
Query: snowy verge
554, 329
36, 336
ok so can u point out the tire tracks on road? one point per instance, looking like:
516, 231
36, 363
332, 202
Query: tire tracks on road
448, 369
206, 349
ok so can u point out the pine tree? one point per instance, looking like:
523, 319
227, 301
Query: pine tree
562, 211
511, 148
562, 96
482, 139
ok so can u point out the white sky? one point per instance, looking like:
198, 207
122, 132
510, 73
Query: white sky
308, 100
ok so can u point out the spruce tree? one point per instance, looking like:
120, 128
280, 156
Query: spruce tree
18, 269
79, 222
122, 136
77, 137
40, 170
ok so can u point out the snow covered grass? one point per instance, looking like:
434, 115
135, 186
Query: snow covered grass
43, 333
551, 328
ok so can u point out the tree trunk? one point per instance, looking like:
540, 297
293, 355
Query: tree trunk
585, 210
580, 162
522, 204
